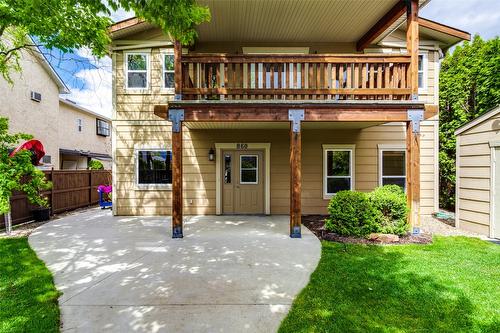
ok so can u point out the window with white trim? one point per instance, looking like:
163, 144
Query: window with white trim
154, 167
338, 169
249, 169
392, 166
168, 71
137, 70
422, 71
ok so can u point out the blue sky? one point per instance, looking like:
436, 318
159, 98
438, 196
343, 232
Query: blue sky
90, 79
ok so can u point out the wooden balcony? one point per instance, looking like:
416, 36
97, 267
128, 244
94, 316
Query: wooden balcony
296, 77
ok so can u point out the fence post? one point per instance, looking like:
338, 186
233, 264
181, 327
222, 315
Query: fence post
90, 189
52, 192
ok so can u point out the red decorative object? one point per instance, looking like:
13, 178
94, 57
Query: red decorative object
35, 146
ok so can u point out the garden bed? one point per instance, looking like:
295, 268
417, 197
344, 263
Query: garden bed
316, 223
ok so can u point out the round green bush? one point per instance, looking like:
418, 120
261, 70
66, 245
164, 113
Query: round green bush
391, 208
351, 214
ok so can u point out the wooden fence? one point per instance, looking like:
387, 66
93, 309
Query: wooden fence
71, 189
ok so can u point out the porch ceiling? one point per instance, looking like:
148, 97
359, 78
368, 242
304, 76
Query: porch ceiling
279, 125
289, 21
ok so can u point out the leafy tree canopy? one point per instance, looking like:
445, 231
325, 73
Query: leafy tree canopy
469, 86
17, 173
70, 24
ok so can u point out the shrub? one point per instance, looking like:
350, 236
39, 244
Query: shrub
96, 165
391, 209
351, 214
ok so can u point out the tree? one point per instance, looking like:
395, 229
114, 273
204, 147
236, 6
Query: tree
71, 24
17, 173
469, 86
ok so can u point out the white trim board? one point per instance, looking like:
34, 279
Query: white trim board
478, 120
267, 172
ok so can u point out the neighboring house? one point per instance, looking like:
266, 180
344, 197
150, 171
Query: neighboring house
277, 106
84, 135
33, 106
478, 175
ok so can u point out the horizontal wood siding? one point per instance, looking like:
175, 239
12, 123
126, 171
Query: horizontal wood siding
199, 173
134, 124
474, 158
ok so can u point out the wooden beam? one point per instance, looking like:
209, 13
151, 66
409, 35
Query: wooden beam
382, 25
412, 41
413, 175
259, 112
295, 182
445, 29
178, 69
177, 203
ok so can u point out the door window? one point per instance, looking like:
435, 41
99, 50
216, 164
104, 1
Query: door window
249, 167
227, 169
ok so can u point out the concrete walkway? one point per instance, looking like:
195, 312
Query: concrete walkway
126, 274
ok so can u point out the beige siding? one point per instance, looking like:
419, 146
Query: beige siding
474, 175
134, 125
199, 173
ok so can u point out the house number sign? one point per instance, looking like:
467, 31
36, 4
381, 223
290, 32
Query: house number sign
242, 146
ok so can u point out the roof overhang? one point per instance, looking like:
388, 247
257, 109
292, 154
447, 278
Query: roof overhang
278, 21
82, 109
63, 88
76, 152
478, 120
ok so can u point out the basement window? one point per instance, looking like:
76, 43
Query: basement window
154, 167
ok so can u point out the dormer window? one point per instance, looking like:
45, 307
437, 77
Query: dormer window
137, 67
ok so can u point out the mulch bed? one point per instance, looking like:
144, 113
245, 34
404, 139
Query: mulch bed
316, 223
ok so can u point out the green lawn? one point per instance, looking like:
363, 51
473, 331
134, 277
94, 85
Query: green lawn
28, 297
452, 285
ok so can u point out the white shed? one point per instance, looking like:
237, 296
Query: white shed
478, 175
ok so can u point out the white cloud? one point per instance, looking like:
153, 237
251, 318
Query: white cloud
121, 14
95, 94
475, 16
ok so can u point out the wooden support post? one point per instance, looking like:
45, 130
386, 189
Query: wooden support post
178, 70
176, 117
413, 171
295, 117
412, 41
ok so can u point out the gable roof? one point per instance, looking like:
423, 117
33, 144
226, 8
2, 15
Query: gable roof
63, 88
478, 120
82, 109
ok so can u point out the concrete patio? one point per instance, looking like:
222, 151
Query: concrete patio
126, 274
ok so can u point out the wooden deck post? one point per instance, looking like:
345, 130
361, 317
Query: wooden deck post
413, 167
295, 117
176, 117
412, 45
178, 70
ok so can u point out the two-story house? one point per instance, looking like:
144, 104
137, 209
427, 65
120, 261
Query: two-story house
71, 135
276, 107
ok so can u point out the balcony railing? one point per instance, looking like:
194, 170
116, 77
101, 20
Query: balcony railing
296, 77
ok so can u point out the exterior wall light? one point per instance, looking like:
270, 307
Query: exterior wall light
211, 154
